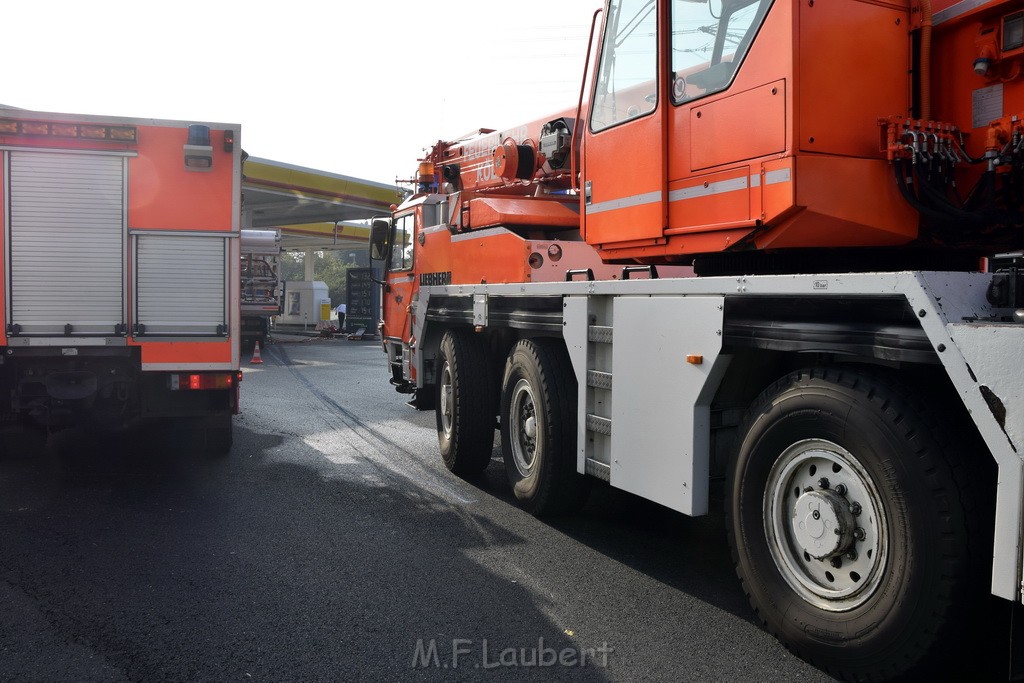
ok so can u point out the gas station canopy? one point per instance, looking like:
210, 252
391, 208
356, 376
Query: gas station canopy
314, 209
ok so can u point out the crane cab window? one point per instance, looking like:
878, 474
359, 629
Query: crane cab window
709, 41
626, 85
403, 244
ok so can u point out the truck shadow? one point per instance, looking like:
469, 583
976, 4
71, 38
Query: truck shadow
251, 568
692, 555
689, 554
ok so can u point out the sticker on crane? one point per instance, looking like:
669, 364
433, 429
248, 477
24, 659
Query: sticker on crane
986, 105
483, 149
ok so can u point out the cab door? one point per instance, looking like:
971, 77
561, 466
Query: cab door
623, 174
399, 281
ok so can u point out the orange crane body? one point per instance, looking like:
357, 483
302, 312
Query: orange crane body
834, 172
780, 145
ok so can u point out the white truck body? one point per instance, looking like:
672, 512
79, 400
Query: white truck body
643, 410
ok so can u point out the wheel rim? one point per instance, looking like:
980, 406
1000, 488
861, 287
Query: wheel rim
826, 525
447, 400
523, 424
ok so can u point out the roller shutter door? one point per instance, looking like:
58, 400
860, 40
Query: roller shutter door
67, 231
181, 285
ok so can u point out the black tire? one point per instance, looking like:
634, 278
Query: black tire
466, 403
538, 428
880, 614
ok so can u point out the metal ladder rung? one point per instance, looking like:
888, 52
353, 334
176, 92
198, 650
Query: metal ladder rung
600, 334
599, 425
599, 380
598, 469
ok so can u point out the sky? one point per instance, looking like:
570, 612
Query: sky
355, 87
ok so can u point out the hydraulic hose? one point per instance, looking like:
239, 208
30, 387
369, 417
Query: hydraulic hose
926, 59
912, 199
950, 220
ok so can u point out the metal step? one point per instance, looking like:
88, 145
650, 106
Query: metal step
599, 425
599, 380
600, 334
598, 469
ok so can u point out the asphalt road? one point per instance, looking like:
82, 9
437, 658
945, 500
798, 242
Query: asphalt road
332, 544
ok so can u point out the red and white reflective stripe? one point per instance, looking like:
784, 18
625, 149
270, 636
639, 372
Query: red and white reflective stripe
783, 175
624, 202
708, 189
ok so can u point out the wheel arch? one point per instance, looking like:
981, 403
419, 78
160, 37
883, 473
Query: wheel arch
752, 370
771, 336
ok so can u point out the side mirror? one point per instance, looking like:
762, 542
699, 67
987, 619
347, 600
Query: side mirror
380, 232
380, 238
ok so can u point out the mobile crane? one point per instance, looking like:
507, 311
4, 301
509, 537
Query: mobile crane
847, 359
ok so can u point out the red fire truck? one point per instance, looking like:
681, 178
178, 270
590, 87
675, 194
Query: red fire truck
120, 274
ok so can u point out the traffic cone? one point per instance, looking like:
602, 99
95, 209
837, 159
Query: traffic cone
256, 358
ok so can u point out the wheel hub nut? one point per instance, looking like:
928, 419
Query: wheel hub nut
822, 524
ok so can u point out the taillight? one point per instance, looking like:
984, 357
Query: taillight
202, 380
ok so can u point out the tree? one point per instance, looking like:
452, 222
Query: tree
291, 265
333, 272
330, 268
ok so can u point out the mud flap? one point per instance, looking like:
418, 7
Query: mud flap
424, 398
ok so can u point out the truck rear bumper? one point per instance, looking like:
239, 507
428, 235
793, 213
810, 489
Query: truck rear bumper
104, 388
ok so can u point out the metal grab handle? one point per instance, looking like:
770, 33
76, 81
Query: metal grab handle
569, 274
652, 271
